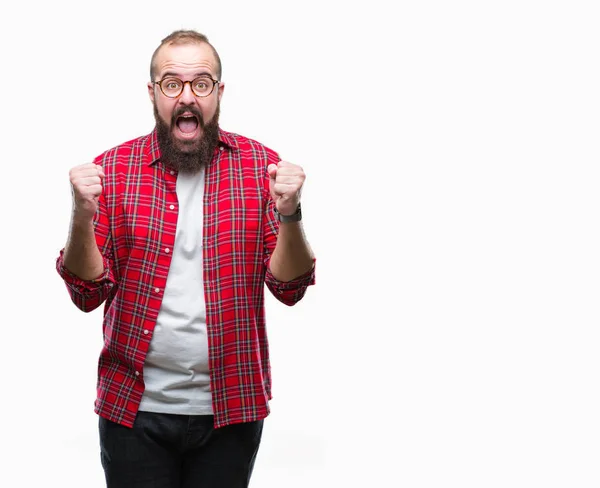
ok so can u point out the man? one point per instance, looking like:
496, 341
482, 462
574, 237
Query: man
177, 232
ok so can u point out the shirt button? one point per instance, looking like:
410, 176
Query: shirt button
172, 172
171, 207
146, 331
221, 148
167, 250
137, 373
157, 290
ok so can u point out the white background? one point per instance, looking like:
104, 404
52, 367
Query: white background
451, 152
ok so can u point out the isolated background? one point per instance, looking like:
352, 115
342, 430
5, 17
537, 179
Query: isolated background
451, 152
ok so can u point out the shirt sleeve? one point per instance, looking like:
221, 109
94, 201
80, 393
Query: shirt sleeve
290, 292
88, 295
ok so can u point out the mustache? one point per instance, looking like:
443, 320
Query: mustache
189, 109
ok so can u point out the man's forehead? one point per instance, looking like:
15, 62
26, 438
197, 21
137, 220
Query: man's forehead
189, 55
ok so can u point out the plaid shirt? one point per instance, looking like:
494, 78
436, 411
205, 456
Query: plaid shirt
135, 232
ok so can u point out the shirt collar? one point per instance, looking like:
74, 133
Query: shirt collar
152, 150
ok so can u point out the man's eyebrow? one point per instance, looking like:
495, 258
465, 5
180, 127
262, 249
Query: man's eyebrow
196, 75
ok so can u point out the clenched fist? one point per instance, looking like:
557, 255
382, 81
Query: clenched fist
286, 180
86, 186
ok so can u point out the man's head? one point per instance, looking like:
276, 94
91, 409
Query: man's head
184, 66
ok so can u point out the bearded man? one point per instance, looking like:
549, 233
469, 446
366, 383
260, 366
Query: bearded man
176, 233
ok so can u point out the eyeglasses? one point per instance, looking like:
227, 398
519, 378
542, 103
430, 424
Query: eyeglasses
172, 87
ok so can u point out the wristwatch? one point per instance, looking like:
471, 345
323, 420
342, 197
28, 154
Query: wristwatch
295, 217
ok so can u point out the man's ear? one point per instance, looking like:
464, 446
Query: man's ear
151, 91
221, 89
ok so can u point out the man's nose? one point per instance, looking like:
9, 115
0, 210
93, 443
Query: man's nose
187, 95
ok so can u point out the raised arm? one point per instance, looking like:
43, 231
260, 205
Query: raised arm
85, 263
292, 256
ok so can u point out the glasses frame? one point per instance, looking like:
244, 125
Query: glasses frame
159, 83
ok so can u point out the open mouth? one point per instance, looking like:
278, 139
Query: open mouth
188, 125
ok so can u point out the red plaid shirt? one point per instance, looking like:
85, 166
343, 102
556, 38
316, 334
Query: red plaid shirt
135, 232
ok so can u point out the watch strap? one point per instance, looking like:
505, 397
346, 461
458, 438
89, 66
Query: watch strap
295, 217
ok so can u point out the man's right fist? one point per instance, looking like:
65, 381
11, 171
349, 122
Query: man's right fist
86, 185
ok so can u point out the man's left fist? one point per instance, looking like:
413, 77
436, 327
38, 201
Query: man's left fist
286, 180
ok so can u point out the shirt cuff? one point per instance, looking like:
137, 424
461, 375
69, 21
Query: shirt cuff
76, 283
298, 283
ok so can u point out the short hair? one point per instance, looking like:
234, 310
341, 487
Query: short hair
180, 37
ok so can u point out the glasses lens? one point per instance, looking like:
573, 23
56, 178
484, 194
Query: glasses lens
202, 86
171, 87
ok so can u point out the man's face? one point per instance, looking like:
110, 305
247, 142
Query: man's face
185, 123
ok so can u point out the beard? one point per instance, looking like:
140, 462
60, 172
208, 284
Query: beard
187, 156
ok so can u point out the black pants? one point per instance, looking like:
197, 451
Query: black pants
178, 451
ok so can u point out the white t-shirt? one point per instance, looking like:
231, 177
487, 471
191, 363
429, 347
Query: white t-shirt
176, 369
